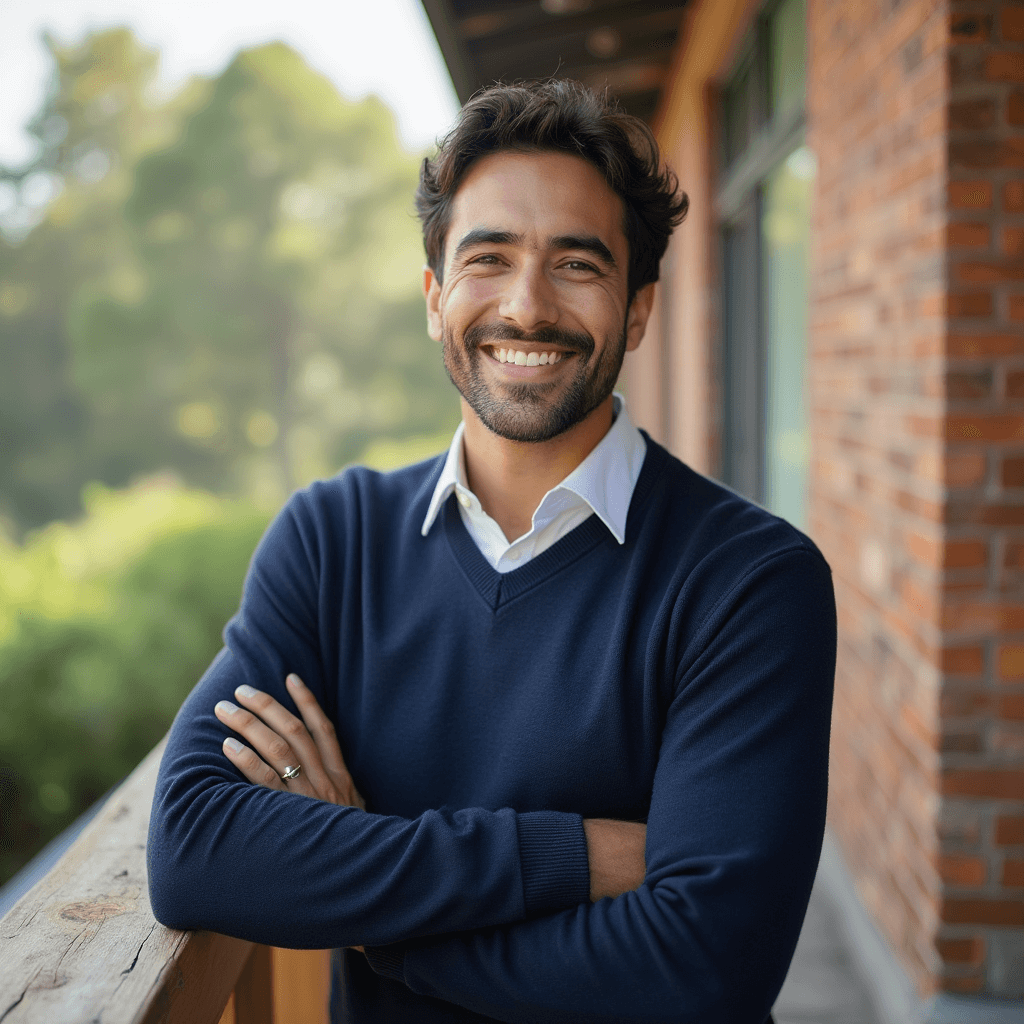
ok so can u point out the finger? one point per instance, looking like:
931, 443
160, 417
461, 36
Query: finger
321, 728
254, 769
283, 724
268, 745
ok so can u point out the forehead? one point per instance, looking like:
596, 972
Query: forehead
538, 195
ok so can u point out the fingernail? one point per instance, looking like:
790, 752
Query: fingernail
294, 681
245, 691
233, 745
225, 707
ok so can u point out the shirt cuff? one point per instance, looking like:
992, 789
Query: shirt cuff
553, 857
387, 961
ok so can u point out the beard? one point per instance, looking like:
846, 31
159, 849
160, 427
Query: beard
526, 411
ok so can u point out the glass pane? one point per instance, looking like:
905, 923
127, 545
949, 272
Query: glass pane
737, 115
787, 55
785, 235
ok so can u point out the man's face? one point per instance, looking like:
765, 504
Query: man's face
533, 313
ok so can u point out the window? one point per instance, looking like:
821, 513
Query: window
764, 208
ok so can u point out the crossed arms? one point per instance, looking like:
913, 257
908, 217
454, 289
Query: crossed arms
489, 909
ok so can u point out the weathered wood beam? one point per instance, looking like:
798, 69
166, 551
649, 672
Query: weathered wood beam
83, 944
630, 20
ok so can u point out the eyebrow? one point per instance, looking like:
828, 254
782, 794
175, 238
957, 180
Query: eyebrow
489, 236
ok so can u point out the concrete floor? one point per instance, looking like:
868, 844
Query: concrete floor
823, 985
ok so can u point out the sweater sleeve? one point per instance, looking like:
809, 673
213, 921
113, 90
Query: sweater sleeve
733, 838
286, 870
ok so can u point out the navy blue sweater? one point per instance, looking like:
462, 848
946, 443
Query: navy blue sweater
683, 679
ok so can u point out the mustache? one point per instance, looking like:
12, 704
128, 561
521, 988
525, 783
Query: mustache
557, 337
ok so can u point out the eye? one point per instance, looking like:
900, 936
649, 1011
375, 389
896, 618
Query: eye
487, 259
580, 266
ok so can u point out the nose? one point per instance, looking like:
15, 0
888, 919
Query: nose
529, 299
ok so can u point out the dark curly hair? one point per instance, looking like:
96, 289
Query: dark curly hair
567, 117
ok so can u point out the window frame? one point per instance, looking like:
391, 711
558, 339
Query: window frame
738, 204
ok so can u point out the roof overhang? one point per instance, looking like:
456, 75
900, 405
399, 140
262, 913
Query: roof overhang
624, 46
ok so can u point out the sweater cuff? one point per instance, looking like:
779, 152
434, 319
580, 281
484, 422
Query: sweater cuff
553, 859
387, 961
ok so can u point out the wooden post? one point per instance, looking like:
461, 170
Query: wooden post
254, 990
302, 984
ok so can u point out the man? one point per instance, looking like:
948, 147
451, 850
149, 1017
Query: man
526, 650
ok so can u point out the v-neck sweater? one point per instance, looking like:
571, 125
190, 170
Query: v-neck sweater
682, 679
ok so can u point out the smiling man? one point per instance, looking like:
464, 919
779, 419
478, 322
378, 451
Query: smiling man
584, 691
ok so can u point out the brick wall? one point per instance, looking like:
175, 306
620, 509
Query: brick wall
916, 398
877, 122
981, 854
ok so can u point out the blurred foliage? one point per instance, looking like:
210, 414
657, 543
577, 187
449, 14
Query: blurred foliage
105, 626
224, 283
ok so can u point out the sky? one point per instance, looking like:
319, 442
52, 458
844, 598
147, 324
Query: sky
364, 46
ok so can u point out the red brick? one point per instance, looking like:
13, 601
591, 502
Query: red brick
965, 554
970, 195
964, 386
964, 661
1013, 874
1017, 307
969, 304
972, 115
964, 871
988, 345
1015, 384
995, 783
964, 469
992, 428
1013, 241
988, 272
1010, 830
1006, 913
1011, 661
969, 28
1013, 557
1011, 23
964, 701
1003, 66
1012, 707
1013, 197
962, 951
969, 235
1015, 107
1013, 472
982, 153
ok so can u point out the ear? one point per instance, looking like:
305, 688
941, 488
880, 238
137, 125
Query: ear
432, 293
638, 315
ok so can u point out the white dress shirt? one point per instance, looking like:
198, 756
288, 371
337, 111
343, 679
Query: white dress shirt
602, 485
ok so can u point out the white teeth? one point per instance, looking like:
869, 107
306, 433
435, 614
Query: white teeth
510, 355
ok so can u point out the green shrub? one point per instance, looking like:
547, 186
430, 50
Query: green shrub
105, 625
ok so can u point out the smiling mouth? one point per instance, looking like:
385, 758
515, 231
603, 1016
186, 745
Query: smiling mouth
521, 358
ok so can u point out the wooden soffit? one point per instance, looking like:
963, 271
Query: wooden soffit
624, 46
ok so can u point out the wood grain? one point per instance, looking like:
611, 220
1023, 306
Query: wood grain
83, 945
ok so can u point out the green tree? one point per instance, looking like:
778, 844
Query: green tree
281, 329
67, 234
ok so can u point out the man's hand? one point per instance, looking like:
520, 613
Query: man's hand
615, 850
279, 741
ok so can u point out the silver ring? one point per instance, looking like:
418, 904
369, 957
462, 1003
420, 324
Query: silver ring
291, 771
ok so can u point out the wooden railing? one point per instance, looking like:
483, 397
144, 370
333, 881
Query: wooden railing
83, 945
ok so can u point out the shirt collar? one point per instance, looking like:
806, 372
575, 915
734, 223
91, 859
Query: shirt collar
605, 479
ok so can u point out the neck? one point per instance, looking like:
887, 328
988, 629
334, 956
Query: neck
511, 477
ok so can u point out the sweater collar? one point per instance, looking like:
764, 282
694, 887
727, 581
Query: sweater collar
604, 480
